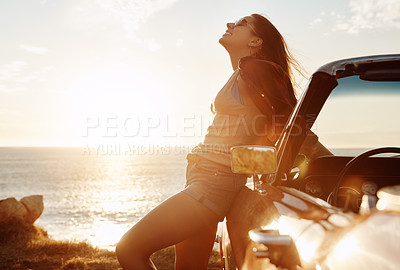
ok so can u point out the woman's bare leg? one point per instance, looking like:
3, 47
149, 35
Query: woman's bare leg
178, 218
194, 252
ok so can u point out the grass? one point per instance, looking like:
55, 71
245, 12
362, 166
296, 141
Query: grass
26, 246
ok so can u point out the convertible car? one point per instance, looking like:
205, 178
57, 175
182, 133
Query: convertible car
336, 211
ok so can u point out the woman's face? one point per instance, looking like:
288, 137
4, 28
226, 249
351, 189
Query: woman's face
240, 35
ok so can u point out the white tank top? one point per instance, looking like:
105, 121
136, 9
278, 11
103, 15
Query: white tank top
234, 124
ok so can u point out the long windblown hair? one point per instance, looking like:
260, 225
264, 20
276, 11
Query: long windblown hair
274, 47
269, 76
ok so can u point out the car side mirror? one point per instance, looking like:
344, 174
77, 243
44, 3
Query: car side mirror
253, 159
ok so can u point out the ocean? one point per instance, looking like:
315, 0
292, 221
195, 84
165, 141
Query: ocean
92, 195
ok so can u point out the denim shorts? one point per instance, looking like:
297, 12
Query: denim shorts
213, 185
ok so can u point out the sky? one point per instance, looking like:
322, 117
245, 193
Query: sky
130, 72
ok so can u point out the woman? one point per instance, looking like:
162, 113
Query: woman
250, 109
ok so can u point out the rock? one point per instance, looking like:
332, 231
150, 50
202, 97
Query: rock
11, 208
34, 205
27, 209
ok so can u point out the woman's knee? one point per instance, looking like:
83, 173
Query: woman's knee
129, 249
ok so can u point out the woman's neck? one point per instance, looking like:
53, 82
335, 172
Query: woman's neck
235, 57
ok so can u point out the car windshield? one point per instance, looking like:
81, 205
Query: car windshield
360, 115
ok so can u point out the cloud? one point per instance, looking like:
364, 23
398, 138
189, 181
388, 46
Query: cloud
11, 70
129, 15
315, 21
319, 19
33, 49
150, 44
133, 13
14, 76
11, 89
11, 77
179, 42
369, 14
16, 71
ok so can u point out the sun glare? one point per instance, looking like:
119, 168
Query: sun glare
112, 199
106, 234
304, 234
103, 104
113, 90
306, 248
346, 246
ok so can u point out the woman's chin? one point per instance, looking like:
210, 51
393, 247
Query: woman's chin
223, 42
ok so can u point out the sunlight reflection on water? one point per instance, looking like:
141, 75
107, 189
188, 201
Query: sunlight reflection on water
88, 197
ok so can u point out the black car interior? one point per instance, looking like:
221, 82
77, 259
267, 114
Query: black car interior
320, 177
